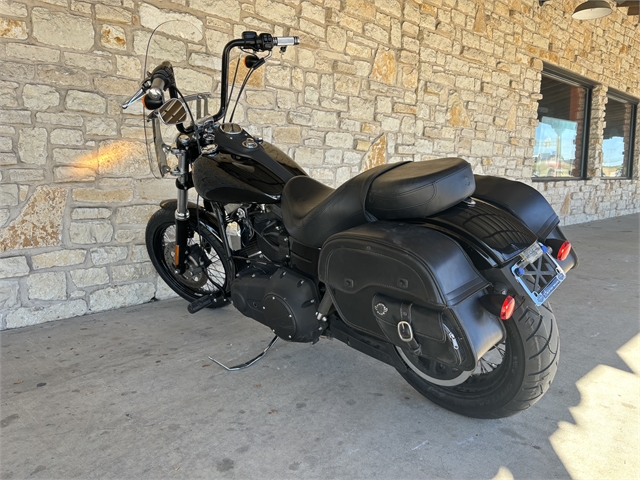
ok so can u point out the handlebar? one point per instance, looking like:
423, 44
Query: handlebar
264, 41
153, 87
251, 41
286, 41
161, 78
158, 83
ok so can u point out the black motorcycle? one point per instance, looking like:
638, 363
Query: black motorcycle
439, 273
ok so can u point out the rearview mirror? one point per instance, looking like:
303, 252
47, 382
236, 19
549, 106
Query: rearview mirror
172, 112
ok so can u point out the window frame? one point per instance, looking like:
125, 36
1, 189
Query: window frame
624, 98
572, 79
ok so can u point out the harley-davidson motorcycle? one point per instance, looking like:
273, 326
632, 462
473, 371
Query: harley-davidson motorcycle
442, 274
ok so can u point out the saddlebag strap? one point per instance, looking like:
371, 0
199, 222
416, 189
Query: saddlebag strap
405, 331
407, 325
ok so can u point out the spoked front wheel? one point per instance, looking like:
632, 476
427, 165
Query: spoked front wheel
208, 270
509, 378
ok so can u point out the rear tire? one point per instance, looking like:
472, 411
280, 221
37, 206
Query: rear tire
529, 361
207, 263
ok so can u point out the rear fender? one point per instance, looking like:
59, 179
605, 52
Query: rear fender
494, 240
527, 205
520, 200
490, 236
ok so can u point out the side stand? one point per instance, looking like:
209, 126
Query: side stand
242, 366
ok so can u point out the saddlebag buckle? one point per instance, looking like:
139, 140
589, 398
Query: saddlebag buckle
405, 332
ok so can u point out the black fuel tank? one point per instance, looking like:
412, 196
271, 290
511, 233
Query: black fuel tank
241, 175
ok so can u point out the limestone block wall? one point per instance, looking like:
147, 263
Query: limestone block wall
402, 79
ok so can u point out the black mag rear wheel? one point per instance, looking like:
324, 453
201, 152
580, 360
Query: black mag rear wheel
207, 267
509, 378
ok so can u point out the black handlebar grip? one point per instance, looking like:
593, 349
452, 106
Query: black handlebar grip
162, 76
161, 79
159, 82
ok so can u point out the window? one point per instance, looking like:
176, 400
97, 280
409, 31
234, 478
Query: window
617, 147
560, 149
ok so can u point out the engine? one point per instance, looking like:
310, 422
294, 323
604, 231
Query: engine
283, 300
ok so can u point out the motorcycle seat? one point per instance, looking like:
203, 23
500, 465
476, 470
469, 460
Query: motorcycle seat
420, 189
312, 211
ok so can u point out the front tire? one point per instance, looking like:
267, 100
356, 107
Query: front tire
528, 361
207, 266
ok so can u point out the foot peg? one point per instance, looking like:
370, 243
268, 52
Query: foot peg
242, 366
204, 302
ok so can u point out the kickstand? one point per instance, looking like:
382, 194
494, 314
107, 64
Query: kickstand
242, 366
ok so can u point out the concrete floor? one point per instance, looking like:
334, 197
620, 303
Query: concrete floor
130, 394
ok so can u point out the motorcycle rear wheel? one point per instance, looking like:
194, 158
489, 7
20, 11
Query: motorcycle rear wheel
207, 268
528, 363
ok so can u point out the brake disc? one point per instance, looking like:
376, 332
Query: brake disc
193, 276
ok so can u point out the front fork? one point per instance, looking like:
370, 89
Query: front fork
182, 213
183, 184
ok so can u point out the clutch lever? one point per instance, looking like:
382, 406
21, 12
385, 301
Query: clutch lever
138, 95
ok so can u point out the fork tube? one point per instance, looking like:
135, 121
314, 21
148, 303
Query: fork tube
182, 214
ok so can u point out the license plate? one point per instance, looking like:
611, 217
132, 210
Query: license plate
538, 274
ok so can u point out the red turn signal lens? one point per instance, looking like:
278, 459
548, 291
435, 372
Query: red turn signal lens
563, 251
508, 306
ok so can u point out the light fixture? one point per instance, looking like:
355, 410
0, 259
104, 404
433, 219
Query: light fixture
563, 251
591, 10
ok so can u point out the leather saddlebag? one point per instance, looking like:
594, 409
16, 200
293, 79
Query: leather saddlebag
383, 273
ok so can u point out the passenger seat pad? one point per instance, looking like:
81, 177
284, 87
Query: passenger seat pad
420, 189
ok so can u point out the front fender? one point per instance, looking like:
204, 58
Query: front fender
207, 219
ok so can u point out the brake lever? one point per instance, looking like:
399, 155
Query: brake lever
138, 95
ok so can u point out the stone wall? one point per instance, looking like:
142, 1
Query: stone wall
412, 79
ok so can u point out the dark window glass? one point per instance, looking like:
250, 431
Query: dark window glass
617, 147
560, 135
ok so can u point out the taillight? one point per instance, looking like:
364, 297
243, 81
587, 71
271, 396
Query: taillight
500, 305
563, 251
508, 306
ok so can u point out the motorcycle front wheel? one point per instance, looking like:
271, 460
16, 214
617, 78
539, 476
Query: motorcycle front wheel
208, 270
509, 378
